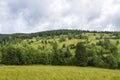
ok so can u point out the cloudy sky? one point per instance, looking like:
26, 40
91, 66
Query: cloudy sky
24, 16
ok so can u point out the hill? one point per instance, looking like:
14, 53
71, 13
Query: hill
61, 47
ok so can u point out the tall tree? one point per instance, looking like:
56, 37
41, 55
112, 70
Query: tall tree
81, 55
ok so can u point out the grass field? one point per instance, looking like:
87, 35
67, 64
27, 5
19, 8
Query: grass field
57, 73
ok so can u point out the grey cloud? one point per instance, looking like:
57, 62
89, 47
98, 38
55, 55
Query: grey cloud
39, 15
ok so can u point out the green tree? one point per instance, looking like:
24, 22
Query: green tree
62, 38
81, 55
70, 36
58, 56
67, 53
0, 57
12, 55
98, 62
111, 62
30, 56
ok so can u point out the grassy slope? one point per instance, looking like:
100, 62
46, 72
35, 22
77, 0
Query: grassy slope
56, 73
91, 39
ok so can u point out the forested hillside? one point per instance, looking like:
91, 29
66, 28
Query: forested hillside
62, 47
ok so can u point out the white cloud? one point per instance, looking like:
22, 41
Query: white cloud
38, 15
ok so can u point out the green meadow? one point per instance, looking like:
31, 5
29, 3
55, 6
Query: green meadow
40, 72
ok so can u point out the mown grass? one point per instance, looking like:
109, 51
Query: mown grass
57, 73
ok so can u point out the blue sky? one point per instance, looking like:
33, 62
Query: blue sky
26, 16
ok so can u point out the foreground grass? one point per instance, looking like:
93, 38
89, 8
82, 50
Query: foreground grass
56, 73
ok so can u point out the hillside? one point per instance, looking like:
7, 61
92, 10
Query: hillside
62, 47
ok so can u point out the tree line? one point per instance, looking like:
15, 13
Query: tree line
103, 55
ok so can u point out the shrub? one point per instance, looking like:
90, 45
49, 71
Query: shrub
111, 61
0, 57
98, 62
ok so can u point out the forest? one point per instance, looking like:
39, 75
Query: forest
62, 47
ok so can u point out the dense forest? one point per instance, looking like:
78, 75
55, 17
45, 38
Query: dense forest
62, 47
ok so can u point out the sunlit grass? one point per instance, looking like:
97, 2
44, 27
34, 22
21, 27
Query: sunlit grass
57, 73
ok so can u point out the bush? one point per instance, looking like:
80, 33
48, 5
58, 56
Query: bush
0, 57
111, 62
70, 36
118, 65
98, 62
70, 61
72, 46
62, 38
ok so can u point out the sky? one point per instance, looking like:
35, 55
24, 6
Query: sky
28, 16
